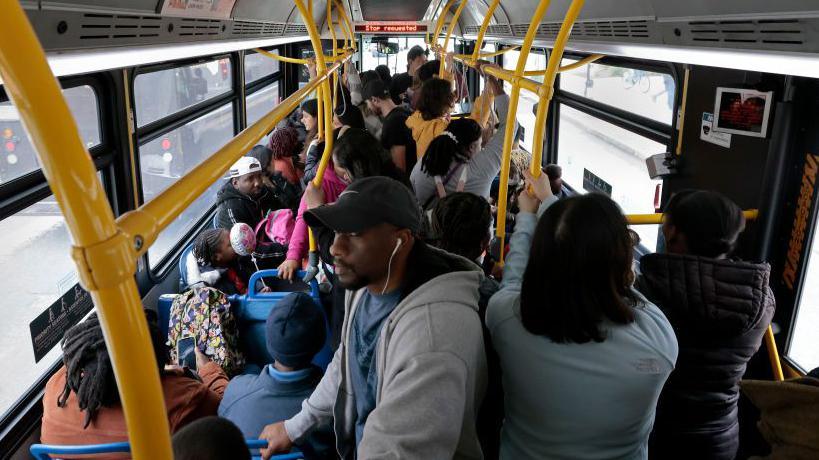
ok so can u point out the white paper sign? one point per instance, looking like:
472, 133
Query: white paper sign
214, 9
708, 134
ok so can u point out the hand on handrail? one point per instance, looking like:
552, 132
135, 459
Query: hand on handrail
277, 439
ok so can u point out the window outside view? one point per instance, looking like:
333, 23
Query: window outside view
803, 347
372, 57
17, 155
614, 155
526, 104
165, 159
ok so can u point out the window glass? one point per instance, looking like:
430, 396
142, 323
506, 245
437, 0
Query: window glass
35, 271
261, 102
804, 345
372, 57
258, 66
614, 155
487, 48
17, 155
164, 92
528, 100
165, 159
645, 93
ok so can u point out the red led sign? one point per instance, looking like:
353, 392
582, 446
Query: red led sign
390, 28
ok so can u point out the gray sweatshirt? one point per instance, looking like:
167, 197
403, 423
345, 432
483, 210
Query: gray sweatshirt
481, 169
431, 369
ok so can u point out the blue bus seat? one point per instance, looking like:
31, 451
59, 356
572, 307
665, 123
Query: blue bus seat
45, 451
251, 312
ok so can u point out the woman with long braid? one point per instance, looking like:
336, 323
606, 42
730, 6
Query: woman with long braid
81, 403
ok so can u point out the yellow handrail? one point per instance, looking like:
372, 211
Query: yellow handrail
433, 42
482, 31
451, 27
773, 355
657, 218
472, 57
346, 24
105, 257
568, 67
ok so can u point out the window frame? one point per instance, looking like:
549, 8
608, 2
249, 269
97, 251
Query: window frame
262, 83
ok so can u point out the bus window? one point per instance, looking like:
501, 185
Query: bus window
487, 48
258, 66
595, 155
164, 92
372, 57
526, 104
645, 93
17, 155
261, 102
803, 347
35, 271
170, 156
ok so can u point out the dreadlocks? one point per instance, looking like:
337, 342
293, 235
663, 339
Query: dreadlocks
460, 224
89, 373
206, 245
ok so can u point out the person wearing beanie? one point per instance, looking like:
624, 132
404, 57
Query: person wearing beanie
244, 197
295, 331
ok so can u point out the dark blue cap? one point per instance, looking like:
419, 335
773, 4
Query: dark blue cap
295, 330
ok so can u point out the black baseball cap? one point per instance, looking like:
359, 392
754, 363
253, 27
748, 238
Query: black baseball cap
375, 88
366, 203
415, 52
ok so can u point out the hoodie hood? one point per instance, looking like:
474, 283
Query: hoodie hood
229, 192
424, 131
703, 295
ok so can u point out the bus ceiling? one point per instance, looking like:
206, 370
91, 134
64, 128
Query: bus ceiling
776, 37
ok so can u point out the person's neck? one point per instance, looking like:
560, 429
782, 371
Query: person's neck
282, 368
387, 106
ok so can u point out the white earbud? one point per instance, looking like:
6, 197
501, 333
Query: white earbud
398, 243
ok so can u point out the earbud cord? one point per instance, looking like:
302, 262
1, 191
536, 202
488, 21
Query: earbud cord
389, 266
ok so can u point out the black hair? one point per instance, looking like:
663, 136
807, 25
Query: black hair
554, 171
436, 99
206, 244
88, 369
443, 150
368, 76
210, 438
579, 271
428, 70
460, 224
310, 106
359, 152
415, 52
384, 73
263, 154
350, 115
709, 220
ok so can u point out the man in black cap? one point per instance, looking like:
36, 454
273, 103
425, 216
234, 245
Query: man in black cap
410, 372
396, 137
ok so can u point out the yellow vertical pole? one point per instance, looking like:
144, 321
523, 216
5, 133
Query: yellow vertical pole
332, 28
509, 132
451, 27
482, 32
105, 258
681, 124
547, 88
320, 113
773, 355
346, 20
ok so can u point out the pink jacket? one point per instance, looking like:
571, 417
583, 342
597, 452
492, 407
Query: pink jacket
300, 243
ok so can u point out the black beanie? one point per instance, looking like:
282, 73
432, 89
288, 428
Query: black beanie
295, 330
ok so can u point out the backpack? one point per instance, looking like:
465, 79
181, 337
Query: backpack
205, 313
277, 226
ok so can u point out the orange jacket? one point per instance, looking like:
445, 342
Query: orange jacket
186, 400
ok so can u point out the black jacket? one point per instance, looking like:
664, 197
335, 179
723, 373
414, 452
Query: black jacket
235, 206
720, 310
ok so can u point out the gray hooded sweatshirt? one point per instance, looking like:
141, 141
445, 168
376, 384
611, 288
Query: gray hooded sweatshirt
430, 364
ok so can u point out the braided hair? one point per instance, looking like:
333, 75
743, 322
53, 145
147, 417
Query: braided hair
89, 373
206, 245
450, 146
460, 224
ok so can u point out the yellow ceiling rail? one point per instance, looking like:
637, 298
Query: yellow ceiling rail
482, 31
568, 67
345, 20
439, 25
105, 258
773, 355
279, 57
470, 57
451, 27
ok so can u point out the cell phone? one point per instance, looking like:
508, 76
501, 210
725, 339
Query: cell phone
185, 351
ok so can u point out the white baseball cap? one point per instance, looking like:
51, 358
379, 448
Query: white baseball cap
244, 165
